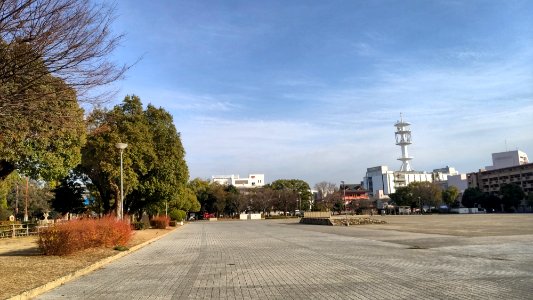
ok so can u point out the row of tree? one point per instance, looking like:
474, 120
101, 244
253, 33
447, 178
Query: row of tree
283, 195
508, 199
419, 194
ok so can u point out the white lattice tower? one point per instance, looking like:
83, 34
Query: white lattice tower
403, 139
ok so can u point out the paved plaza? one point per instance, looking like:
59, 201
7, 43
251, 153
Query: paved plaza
285, 260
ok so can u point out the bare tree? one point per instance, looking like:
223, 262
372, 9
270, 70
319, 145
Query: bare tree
68, 39
325, 188
262, 200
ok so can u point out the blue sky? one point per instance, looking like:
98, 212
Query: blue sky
311, 89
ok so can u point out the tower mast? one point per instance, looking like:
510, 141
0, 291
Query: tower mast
403, 139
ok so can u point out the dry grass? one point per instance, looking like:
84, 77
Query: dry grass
23, 267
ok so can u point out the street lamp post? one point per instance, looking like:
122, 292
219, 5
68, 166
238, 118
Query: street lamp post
120, 207
299, 204
344, 202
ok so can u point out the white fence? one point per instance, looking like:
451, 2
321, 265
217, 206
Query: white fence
250, 216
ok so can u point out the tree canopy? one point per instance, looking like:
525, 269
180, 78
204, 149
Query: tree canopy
155, 170
417, 194
403, 196
42, 139
511, 195
449, 195
298, 186
472, 197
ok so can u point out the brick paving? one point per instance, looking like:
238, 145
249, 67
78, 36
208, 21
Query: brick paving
284, 260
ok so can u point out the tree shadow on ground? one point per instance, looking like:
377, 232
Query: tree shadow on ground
22, 252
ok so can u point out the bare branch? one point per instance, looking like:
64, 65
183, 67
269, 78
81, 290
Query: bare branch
72, 40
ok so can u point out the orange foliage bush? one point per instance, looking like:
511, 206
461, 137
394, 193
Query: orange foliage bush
69, 237
160, 222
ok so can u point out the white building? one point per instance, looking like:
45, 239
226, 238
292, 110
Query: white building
380, 182
460, 181
442, 174
507, 159
253, 180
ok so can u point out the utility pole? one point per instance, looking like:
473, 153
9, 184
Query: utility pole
17, 201
344, 202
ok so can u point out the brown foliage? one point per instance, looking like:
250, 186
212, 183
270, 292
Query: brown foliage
76, 235
160, 222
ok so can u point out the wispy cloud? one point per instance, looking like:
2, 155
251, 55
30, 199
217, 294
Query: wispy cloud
178, 101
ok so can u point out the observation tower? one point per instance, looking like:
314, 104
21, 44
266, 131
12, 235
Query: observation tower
403, 139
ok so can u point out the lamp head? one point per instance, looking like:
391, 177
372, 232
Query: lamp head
121, 146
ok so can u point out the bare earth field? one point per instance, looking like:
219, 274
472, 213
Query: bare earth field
432, 231
23, 267
462, 225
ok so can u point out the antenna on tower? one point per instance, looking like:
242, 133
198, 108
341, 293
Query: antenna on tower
403, 139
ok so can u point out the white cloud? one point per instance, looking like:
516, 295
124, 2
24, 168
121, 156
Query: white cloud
178, 100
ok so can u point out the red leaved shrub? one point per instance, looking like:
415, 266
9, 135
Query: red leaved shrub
69, 237
160, 222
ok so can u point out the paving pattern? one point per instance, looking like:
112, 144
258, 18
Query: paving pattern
284, 260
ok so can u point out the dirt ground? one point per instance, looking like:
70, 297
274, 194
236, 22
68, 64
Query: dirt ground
466, 225
435, 231
23, 267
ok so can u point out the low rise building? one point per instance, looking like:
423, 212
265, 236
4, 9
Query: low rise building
355, 197
380, 181
252, 181
353, 192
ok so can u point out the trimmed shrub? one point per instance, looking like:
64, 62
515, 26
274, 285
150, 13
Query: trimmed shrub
172, 224
160, 222
69, 237
177, 214
139, 225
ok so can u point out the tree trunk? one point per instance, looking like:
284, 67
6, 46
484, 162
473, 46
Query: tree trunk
6, 168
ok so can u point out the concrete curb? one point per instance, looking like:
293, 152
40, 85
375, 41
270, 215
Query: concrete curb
55, 283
